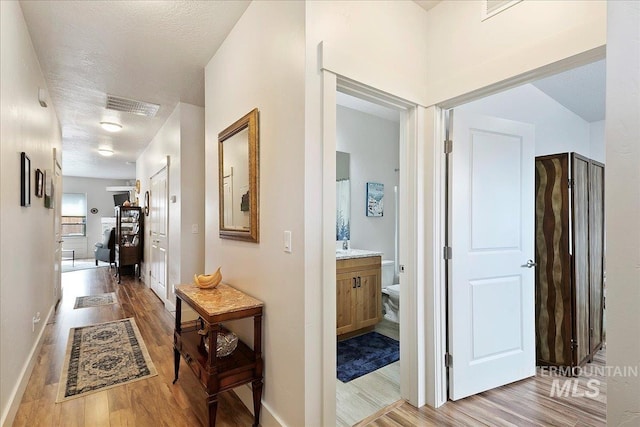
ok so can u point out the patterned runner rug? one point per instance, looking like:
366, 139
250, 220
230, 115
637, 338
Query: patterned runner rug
103, 356
96, 300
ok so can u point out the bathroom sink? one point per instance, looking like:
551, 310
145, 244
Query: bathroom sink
355, 253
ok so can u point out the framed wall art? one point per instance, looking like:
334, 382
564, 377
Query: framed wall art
375, 199
39, 183
49, 191
25, 180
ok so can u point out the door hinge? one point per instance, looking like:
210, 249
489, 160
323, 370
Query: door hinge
447, 252
448, 360
571, 182
574, 343
448, 146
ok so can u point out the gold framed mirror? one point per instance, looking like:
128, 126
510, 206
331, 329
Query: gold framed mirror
238, 177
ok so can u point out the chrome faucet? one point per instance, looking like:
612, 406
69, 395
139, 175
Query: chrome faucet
345, 244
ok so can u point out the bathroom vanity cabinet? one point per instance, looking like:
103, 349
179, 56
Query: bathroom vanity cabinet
358, 293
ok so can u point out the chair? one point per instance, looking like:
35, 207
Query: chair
106, 250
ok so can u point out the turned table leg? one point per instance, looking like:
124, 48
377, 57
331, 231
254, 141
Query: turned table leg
256, 386
178, 331
212, 403
176, 364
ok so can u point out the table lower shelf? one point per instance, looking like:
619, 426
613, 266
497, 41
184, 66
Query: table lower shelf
228, 372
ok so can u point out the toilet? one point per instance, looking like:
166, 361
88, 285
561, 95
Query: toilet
390, 292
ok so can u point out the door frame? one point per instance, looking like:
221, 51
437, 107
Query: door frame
412, 332
438, 287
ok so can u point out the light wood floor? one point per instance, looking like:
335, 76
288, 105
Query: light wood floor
156, 402
524, 403
151, 402
364, 396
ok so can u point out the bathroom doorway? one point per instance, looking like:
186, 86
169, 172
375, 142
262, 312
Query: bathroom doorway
367, 228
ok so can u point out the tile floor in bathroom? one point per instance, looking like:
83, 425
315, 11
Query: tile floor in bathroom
366, 395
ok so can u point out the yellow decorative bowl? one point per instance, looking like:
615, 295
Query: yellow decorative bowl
208, 281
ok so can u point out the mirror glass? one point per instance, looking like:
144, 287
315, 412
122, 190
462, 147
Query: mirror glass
236, 181
343, 197
238, 176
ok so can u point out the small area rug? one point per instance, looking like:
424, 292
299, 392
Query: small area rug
68, 265
360, 355
96, 300
103, 356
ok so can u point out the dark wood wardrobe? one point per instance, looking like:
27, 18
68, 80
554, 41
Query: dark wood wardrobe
570, 259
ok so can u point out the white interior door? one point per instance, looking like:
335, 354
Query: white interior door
491, 291
158, 216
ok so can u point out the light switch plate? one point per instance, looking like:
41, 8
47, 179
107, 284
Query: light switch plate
287, 241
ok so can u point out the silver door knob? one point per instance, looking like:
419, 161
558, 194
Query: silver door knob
529, 264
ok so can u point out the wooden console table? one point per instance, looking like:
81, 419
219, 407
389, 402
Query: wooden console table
217, 374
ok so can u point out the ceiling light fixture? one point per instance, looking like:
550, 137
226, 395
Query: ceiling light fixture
111, 126
105, 152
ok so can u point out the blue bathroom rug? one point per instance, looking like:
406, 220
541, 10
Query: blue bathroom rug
360, 355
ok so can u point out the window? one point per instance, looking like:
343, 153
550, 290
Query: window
74, 215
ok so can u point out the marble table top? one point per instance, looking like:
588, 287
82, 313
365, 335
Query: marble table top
222, 299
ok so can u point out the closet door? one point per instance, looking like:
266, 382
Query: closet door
596, 252
580, 256
554, 294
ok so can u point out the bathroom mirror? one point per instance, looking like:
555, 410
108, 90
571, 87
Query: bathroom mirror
343, 197
238, 174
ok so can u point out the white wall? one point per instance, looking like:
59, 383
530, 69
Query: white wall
191, 196
261, 65
622, 204
596, 141
381, 44
372, 143
466, 54
181, 138
97, 197
27, 233
557, 129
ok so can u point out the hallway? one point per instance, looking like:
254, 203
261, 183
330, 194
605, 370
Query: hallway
150, 402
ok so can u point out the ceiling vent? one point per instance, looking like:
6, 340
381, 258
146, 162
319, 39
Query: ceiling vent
493, 7
131, 106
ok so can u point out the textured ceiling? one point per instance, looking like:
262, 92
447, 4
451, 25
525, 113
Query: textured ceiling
152, 51
581, 90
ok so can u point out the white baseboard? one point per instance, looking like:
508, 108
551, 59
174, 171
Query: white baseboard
10, 411
267, 417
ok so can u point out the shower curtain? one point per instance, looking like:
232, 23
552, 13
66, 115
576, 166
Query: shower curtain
343, 202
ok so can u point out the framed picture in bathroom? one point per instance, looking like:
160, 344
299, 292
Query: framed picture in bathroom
375, 199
